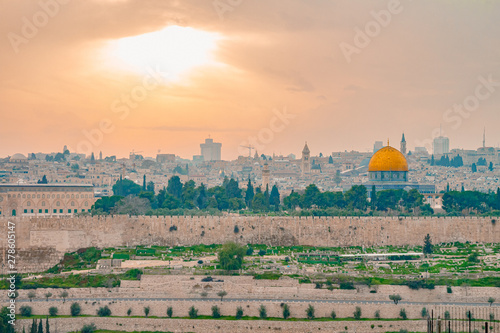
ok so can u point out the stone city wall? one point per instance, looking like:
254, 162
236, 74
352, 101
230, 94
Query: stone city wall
41, 236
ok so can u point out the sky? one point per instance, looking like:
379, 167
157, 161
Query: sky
163, 75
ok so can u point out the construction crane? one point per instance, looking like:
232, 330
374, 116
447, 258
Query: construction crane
133, 152
250, 147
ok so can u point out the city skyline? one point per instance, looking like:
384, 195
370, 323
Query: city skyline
283, 75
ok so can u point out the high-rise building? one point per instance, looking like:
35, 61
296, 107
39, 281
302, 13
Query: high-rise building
306, 160
211, 150
403, 145
377, 146
441, 145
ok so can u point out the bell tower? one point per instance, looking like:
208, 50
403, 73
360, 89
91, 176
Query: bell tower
403, 145
306, 160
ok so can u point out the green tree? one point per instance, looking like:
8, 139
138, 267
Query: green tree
356, 197
215, 311
106, 204
491, 300
132, 205
357, 313
249, 194
129, 312
474, 167
193, 312
259, 202
47, 326
292, 201
53, 311
231, 256
40, 326
377, 314
427, 245
174, 187
126, 187
330, 160
239, 312
202, 200
232, 189
274, 198
25, 311
189, 194
310, 312
47, 296
262, 312
75, 309
104, 311
396, 298
286, 311
150, 187
221, 294
338, 177
144, 183
88, 328
402, 314
170, 312
147, 309
333, 314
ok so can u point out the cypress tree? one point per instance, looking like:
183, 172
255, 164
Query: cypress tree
40, 327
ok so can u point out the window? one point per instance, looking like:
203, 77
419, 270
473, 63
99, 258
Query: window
28, 203
69, 211
25, 211
60, 211
43, 203
83, 211
38, 196
55, 211
72, 203
39, 211
32, 211
86, 203
58, 203
46, 211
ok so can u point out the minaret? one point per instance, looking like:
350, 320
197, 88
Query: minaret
484, 138
306, 162
403, 145
266, 173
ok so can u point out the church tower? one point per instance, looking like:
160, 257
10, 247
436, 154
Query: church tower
266, 173
403, 145
306, 160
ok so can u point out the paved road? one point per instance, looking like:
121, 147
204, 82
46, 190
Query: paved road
256, 300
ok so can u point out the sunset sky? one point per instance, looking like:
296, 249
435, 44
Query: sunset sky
226, 71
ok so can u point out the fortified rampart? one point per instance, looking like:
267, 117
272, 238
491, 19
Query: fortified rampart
42, 241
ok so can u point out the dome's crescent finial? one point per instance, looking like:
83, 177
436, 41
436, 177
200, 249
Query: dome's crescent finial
388, 143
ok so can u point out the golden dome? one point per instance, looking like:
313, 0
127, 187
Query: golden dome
388, 159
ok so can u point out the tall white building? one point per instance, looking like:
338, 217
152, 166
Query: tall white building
441, 145
210, 150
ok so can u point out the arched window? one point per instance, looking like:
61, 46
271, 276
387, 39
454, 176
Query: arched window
28, 203
58, 204
43, 203
86, 203
72, 203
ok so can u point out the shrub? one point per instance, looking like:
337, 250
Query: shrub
262, 252
203, 294
403, 331
75, 309
286, 311
63, 295
129, 312
449, 290
207, 279
147, 309
357, 313
377, 314
310, 312
395, 298
53, 311
492, 316
347, 285
104, 311
48, 295
333, 315
221, 294
239, 312
25, 311
249, 251
236, 229
89, 328
424, 312
262, 312
447, 315
193, 312
491, 300
402, 314
170, 312
215, 311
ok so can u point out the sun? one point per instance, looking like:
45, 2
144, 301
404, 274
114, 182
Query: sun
174, 50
